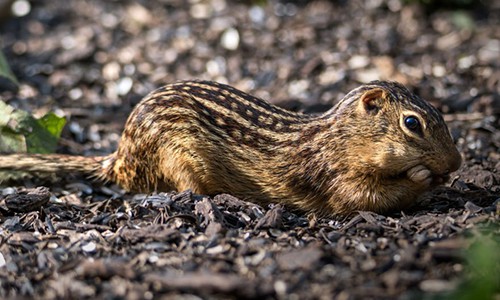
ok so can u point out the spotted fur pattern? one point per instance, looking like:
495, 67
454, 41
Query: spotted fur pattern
213, 138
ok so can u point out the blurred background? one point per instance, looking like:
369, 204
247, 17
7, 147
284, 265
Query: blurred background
93, 60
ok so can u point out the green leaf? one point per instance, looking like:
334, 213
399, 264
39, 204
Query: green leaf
5, 111
20, 132
11, 141
53, 124
482, 267
6, 73
483, 260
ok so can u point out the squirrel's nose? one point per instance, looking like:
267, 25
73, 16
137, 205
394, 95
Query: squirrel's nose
448, 163
454, 161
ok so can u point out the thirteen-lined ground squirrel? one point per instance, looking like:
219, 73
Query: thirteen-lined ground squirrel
378, 149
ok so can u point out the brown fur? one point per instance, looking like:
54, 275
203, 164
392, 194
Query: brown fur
213, 138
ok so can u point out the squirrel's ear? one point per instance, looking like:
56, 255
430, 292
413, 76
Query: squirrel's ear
372, 100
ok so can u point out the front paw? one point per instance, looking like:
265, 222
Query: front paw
420, 175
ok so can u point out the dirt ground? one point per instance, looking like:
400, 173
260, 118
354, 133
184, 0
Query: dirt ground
93, 60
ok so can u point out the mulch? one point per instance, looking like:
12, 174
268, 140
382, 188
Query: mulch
93, 60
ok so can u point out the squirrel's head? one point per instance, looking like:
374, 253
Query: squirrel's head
400, 131
393, 146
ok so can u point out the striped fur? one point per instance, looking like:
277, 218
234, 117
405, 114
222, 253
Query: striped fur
213, 138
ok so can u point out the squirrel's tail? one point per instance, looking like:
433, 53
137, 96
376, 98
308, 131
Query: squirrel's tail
53, 163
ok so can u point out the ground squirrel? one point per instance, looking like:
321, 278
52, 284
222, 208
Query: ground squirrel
378, 149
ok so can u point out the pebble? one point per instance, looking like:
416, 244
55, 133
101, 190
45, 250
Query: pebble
257, 14
438, 70
216, 67
466, 62
436, 286
109, 20
298, 87
230, 39
330, 76
129, 69
124, 86
8, 191
75, 93
111, 71
368, 75
200, 11
21, 8
490, 51
139, 14
153, 259
280, 287
358, 61
89, 247
77, 130
52, 245
68, 42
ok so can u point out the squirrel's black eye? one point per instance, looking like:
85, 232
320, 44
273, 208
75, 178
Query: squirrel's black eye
412, 123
